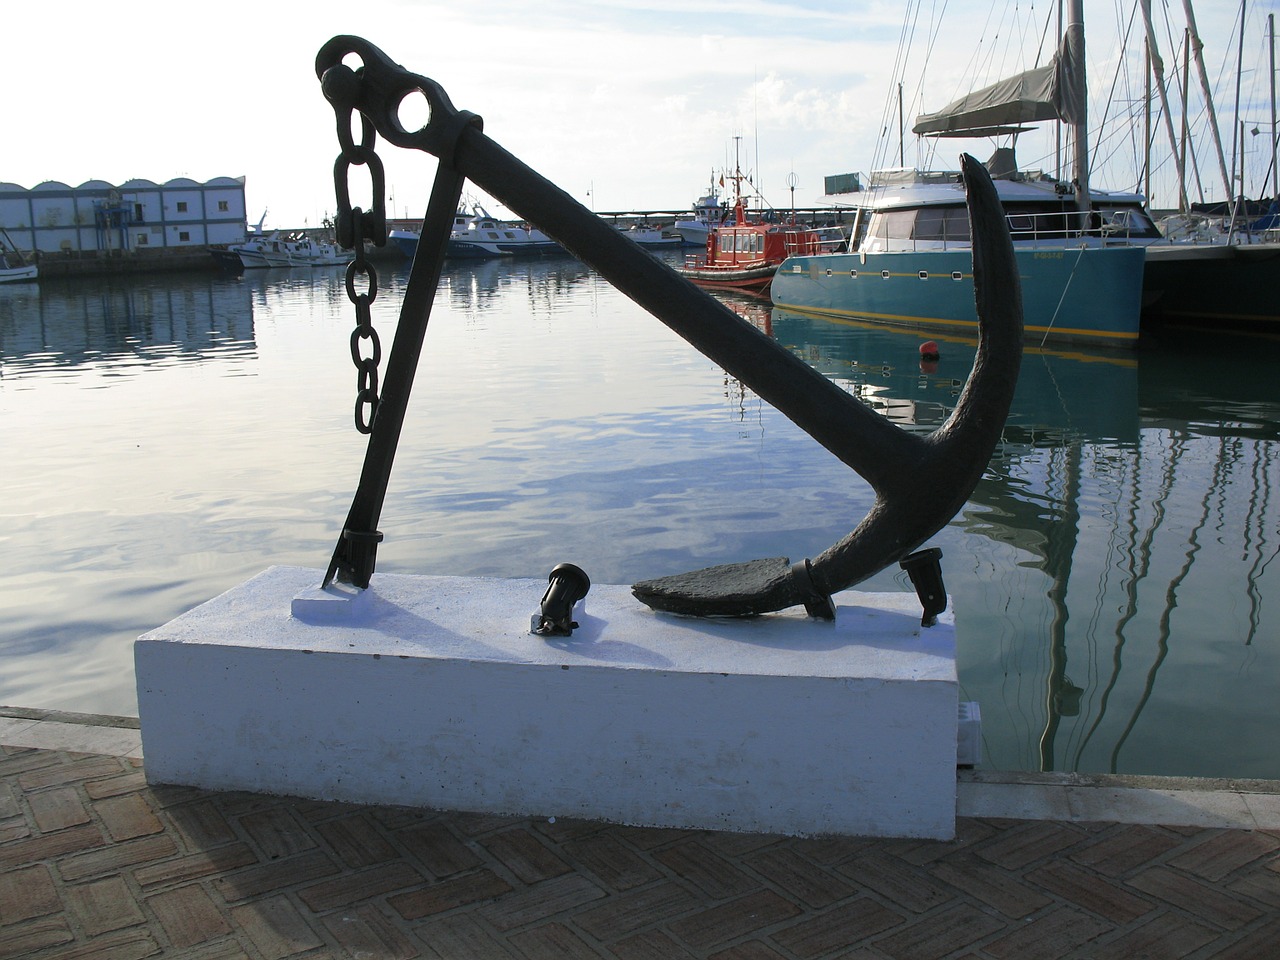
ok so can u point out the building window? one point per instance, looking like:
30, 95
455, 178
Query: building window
142, 239
223, 206
183, 236
182, 206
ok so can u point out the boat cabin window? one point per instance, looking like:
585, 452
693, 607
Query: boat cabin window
937, 224
941, 223
739, 241
893, 224
1042, 221
1127, 221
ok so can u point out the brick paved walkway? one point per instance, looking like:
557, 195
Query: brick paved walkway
94, 863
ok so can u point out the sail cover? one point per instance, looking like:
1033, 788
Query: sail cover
1050, 92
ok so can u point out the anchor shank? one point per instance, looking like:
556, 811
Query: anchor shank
844, 425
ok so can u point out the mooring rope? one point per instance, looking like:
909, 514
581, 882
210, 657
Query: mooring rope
1058, 308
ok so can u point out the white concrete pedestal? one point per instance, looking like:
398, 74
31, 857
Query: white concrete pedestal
430, 691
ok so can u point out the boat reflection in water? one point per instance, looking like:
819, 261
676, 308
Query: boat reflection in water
487, 284
1111, 573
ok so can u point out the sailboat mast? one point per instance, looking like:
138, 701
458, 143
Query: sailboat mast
1197, 48
1080, 133
1275, 173
1157, 66
1057, 127
1186, 119
1146, 125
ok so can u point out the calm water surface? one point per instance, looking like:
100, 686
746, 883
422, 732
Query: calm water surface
1114, 576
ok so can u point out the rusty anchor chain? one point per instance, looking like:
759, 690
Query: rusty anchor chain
920, 483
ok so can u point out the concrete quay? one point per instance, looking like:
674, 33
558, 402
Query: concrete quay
97, 863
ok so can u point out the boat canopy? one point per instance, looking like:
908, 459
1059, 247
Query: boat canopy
1051, 92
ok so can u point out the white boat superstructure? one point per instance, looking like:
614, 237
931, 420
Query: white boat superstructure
479, 235
709, 212
483, 235
915, 210
17, 274
648, 235
291, 250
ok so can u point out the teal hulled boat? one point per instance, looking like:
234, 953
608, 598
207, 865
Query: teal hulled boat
1086, 295
1080, 253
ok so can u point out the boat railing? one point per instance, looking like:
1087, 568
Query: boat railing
948, 229
812, 242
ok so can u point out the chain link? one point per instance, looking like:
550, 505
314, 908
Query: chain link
355, 226
366, 366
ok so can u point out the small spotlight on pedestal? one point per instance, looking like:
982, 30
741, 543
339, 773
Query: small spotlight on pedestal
924, 567
567, 584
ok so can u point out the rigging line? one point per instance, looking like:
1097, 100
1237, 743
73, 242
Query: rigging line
1115, 78
1065, 287
911, 17
1044, 35
930, 150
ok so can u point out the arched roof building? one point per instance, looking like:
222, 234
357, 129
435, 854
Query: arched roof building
138, 215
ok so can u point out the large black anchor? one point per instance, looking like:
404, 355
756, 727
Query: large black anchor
920, 482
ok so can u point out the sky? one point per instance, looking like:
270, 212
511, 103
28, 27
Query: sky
625, 104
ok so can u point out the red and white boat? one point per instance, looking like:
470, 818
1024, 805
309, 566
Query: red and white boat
746, 254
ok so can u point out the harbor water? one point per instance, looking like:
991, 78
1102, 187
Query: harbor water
1114, 576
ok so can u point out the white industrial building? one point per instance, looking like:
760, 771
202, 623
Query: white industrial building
99, 218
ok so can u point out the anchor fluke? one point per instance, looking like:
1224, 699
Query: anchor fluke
920, 483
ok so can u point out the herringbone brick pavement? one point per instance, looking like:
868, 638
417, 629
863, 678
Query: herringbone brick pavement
94, 863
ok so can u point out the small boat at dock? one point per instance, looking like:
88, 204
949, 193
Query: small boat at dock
709, 212
648, 235
279, 250
477, 235
13, 266
746, 255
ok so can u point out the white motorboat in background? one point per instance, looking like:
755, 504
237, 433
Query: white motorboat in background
13, 266
709, 212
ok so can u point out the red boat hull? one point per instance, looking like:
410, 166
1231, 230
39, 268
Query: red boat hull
756, 279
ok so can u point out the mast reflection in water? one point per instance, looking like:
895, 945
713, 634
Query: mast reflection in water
1113, 576
1111, 572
